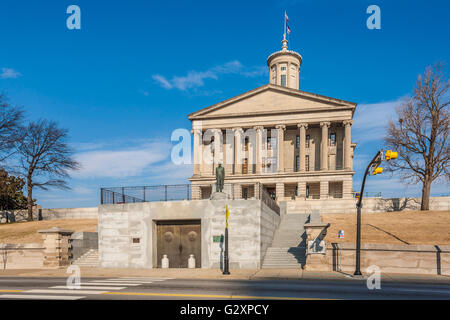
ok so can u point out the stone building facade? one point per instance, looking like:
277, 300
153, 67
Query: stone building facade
294, 144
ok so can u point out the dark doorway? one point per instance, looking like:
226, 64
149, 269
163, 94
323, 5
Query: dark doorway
178, 240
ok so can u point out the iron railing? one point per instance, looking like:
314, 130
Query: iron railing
177, 192
118, 195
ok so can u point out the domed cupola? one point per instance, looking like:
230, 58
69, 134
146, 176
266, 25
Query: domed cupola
284, 67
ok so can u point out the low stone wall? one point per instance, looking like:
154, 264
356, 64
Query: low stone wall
390, 258
50, 214
21, 256
370, 205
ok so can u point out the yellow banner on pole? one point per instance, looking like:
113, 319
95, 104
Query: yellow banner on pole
227, 214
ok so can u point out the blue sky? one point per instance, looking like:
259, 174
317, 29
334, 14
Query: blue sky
133, 72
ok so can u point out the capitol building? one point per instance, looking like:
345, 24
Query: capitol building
294, 144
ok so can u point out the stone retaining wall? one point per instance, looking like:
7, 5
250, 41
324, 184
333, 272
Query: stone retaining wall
370, 205
251, 227
50, 214
390, 258
21, 256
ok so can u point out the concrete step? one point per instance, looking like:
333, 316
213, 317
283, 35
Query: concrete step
88, 259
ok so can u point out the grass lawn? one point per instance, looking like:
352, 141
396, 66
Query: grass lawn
406, 227
26, 232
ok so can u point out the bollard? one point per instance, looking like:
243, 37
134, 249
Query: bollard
191, 262
165, 262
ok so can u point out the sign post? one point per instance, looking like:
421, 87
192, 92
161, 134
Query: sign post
340, 236
225, 258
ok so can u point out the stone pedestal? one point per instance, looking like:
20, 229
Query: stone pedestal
58, 248
316, 247
219, 196
227, 189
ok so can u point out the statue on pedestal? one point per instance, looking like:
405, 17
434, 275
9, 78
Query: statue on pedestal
220, 178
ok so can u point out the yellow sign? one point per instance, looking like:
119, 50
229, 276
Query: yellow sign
227, 214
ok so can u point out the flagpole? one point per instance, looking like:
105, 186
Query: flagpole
284, 35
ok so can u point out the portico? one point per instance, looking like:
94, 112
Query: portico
294, 143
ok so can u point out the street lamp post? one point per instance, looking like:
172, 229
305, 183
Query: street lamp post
225, 258
375, 160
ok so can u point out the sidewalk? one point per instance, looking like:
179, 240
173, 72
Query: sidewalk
243, 274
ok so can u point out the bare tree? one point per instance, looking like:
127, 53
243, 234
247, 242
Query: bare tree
10, 120
420, 132
45, 158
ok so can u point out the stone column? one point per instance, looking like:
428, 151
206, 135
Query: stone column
198, 151
238, 132
259, 131
257, 190
288, 78
217, 149
237, 189
316, 258
347, 189
348, 144
324, 146
196, 192
301, 190
280, 149
279, 191
58, 249
324, 189
302, 151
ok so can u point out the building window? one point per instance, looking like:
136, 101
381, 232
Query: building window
270, 143
307, 163
283, 68
297, 163
297, 142
332, 139
307, 191
308, 138
246, 144
283, 80
245, 166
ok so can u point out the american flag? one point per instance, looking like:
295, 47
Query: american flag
288, 30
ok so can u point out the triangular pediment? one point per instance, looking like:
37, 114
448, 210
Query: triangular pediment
271, 99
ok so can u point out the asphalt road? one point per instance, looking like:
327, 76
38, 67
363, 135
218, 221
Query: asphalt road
166, 289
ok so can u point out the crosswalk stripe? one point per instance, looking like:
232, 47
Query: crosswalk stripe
89, 287
74, 291
149, 279
128, 281
35, 296
112, 283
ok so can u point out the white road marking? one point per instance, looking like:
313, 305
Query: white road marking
89, 287
74, 291
35, 296
127, 281
147, 279
111, 283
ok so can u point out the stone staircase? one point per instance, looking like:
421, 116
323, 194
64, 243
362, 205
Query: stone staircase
288, 247
88, 259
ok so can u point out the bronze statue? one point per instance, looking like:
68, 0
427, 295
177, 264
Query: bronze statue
220, 177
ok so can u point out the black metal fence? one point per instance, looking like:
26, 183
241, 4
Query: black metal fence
175, 192
118, 195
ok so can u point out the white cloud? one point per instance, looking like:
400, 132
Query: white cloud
195, 79
121, 163
8, 73
370, 120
